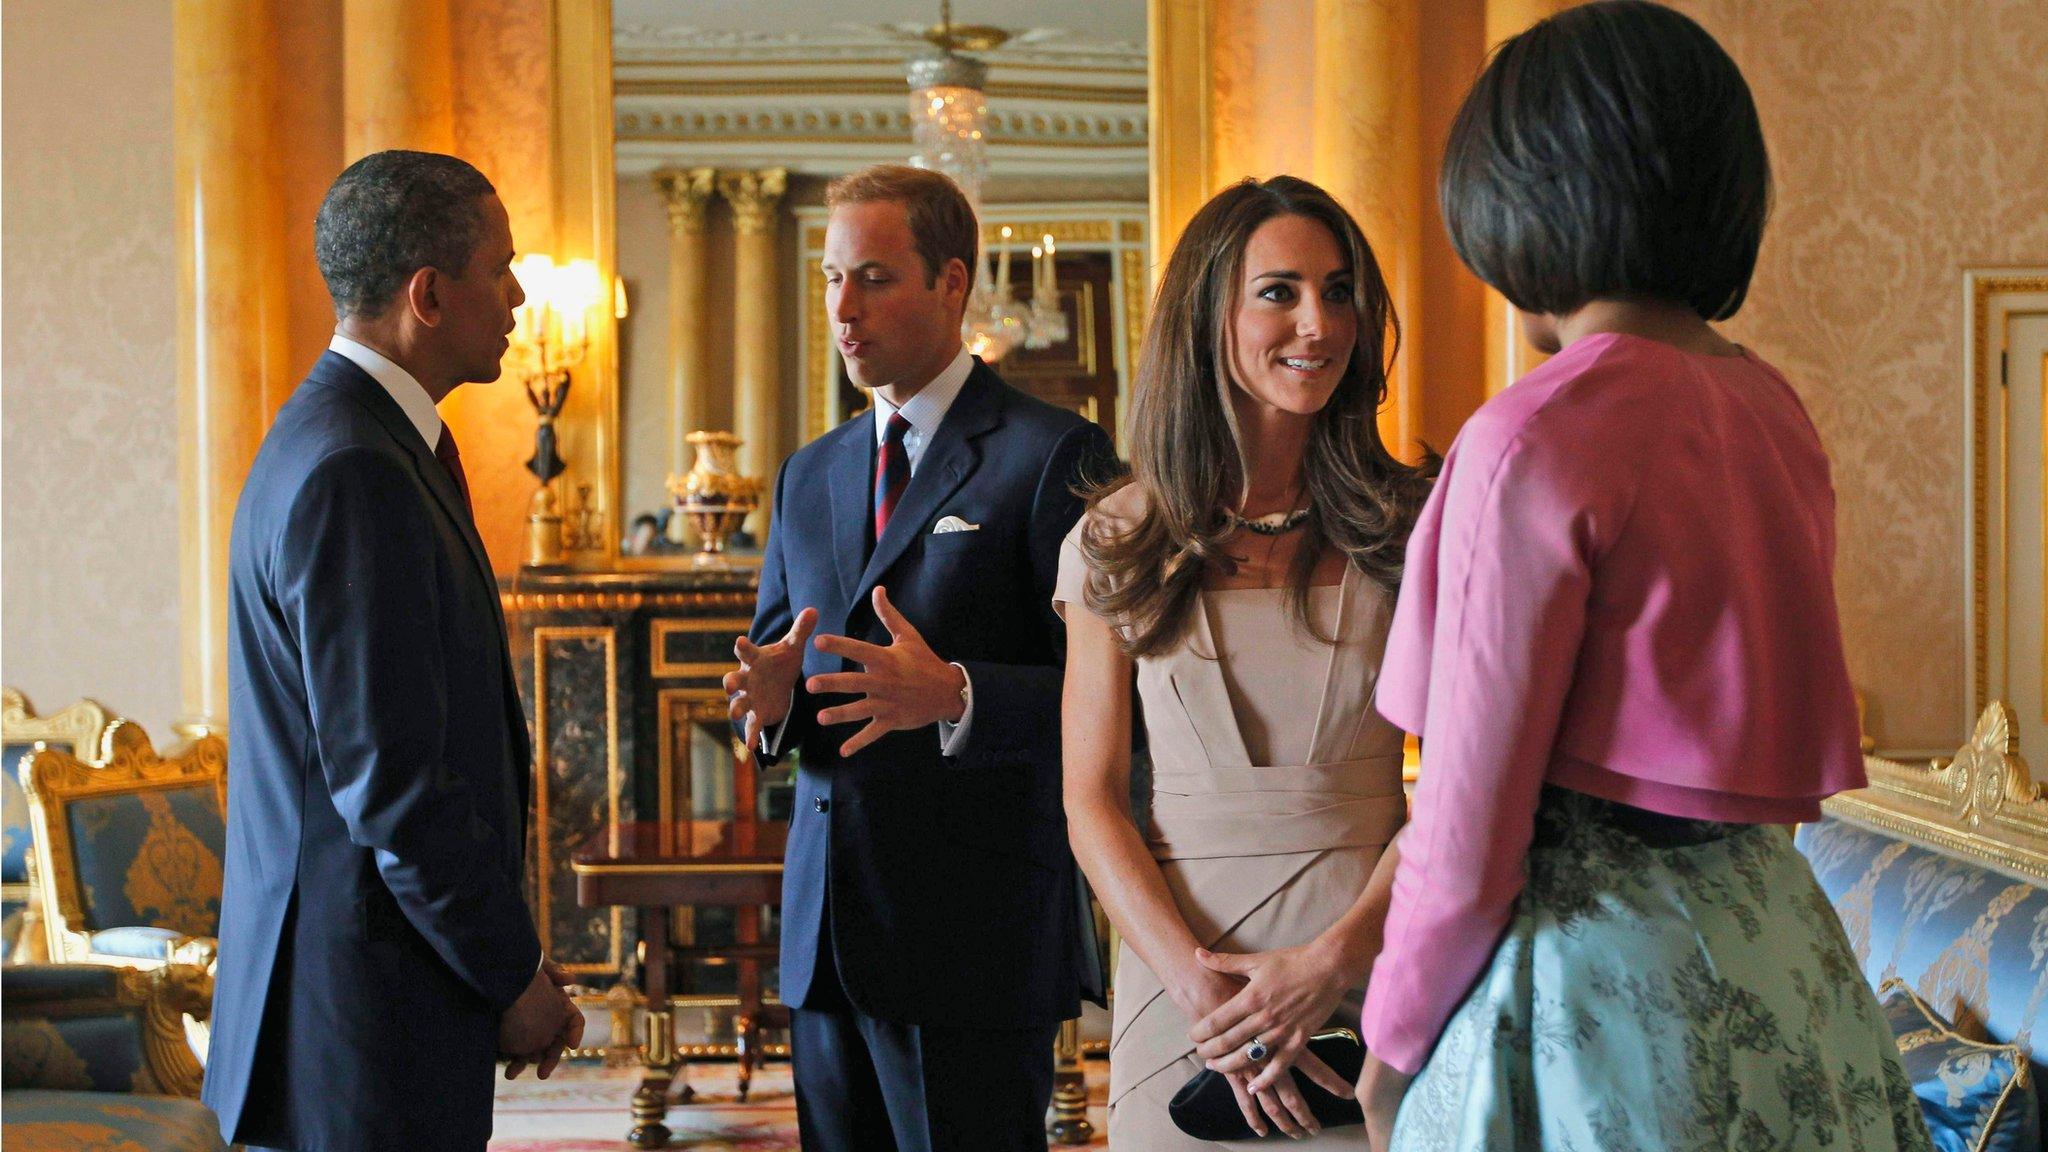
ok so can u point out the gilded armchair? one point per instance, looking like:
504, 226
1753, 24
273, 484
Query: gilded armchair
79, 728
96, 1057
129, 851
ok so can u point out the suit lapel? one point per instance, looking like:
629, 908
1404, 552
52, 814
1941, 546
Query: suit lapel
346, 374
851, 477
948, 461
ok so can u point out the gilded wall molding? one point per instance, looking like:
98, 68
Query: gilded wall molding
1986, 447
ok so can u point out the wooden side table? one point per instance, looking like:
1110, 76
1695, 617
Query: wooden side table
654, 865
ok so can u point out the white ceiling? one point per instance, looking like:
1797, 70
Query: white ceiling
1097, 21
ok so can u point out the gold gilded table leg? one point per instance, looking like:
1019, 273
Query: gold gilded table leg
650, 1101
1069, 1089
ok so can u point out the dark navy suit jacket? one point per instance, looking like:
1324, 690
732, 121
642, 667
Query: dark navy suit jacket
952, 889
372, 924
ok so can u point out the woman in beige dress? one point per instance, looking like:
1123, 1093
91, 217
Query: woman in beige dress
1244, 574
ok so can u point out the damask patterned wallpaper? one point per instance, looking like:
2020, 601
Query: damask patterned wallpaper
1907, 136
1909, 141
88, 379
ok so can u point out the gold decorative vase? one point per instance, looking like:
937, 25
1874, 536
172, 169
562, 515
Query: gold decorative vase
713, 494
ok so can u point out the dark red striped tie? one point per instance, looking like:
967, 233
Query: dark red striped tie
892, 472
451, 459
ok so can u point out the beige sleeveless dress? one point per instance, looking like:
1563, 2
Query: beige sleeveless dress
1275, 787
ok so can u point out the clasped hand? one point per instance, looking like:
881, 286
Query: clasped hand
1286, 996
541, 1024
901, 685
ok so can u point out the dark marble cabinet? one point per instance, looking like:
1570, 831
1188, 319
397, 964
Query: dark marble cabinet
619, 672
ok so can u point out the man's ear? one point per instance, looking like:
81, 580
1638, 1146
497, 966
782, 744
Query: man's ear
423, 296
956, 278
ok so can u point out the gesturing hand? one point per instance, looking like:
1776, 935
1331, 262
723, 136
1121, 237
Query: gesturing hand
904, 685
758, 691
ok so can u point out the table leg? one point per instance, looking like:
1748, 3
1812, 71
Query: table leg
1069, 1089
650, 1101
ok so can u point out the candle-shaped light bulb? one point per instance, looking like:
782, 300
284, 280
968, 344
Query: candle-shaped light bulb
1052, 270
1003, 265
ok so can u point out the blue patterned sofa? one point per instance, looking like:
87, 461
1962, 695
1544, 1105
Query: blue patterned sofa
95, 1060
1940, 876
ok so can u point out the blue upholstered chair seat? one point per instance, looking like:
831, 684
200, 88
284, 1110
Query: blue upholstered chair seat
44, 1120
94, 1060
135, 943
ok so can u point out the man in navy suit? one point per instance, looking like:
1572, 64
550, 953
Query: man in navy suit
376, 954
929, 949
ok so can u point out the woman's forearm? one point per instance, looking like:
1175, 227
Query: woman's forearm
1131, 888
1353, 942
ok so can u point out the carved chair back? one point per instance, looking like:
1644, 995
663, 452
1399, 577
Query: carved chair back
78, 727
130, 850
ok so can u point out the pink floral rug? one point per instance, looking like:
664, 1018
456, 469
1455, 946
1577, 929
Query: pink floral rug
583, 1108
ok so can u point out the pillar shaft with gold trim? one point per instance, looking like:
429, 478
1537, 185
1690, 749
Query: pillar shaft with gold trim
1368, 154
1509, 356
687, 194
756, 198
233, 369
397, 84
1181, 143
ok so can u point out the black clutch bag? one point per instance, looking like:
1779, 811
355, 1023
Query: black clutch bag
1206, 1109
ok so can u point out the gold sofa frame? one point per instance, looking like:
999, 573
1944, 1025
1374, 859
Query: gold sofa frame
162, 996
80, 727
1982, 803
127, 763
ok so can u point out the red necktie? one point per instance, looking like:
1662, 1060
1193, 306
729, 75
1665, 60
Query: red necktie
892, 472
451, 459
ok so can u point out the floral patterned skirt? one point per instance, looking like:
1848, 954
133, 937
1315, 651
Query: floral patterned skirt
1664, 984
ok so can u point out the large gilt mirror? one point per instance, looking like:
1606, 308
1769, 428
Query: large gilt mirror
693, 145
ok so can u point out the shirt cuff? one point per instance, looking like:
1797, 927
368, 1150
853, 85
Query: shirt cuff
953, 737
771, 740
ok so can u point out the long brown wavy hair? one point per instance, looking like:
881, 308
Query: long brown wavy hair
1187, 455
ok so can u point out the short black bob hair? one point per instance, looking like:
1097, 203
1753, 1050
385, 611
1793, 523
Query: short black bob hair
1612, 150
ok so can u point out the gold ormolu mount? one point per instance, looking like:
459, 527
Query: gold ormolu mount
713, 494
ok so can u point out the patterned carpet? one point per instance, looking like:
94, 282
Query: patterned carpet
583, 1108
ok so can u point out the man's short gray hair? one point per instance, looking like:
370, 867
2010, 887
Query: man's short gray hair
391, 214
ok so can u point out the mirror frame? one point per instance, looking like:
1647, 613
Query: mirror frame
585, 183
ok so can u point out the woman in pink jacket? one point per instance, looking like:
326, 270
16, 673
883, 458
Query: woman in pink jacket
1617, 638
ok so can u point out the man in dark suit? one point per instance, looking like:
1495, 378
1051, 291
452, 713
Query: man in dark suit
928, 904
376, 954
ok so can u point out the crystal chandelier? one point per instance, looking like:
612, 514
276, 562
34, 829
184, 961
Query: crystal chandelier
949, 130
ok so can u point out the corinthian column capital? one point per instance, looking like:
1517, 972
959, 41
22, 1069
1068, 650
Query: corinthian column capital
686, 193
753, 196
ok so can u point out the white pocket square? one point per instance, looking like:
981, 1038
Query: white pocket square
953, 524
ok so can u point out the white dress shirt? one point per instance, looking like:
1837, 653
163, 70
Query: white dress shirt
925, 412
410, 394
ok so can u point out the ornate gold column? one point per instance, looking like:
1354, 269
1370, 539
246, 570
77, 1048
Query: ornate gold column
1179, 93
687, 194
1508, 356
757, 378
396, 86
232, 313
1368, 154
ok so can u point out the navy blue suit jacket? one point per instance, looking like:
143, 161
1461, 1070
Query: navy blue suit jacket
952, 889
373, 925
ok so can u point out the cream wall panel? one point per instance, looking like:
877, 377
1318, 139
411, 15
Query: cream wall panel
1908, 143
87, 362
